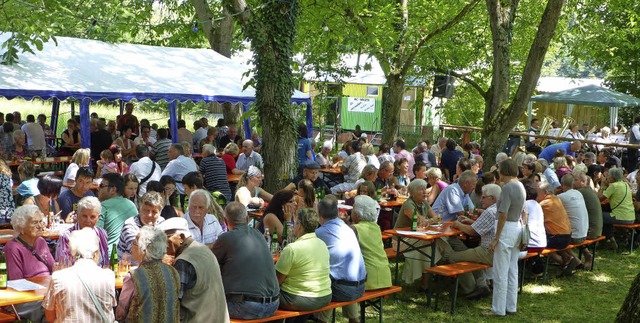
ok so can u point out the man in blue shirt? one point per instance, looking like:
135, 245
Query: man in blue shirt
348, 273
454, 199
570, 148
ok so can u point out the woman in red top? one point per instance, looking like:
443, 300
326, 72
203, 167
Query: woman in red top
229, 157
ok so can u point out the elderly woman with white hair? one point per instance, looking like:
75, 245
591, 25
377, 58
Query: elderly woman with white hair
364, 216
604, 138
620, 199
84, 292
28, 254
416, 204
88, 213
19, 144
140, 301
323, 158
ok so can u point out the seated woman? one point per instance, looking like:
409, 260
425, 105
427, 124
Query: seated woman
47, 200
28, 254
168, 210
19, 144
131, 184
229, 158
561, 167
70, 138
364, 216
29, 183
416, 204
121, 166
434, 177
620, 199
80, 158
68, 298
248, 192
210, 139
306, 195
127, 146
369, 174
369, 153
157, 303
400, 178
7, 204
280, 210
303, 267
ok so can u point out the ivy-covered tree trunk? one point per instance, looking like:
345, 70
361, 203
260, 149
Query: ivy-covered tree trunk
630, 309
391, 104
271, 31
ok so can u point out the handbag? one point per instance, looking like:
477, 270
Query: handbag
525, 234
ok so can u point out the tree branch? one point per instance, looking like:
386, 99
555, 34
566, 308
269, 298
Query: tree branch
466, 79
465, 10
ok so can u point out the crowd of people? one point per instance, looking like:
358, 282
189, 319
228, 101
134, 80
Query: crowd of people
189, 234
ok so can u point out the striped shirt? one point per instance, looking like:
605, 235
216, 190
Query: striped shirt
62, 248
214, 172
129, 232
70, 300
211, 229
161, 152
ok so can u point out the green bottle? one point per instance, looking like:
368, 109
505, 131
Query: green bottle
414, 221
3, 271
285, 234
274, 244
113, 260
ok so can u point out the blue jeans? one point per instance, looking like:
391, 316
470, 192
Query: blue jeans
251, 310
345, 293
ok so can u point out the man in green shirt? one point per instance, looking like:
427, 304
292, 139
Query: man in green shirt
115, 208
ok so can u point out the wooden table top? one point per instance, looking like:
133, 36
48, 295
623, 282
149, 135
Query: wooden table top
11, 296
8, 236
334, 171
38, 161
446, 229
397, 203
233, 178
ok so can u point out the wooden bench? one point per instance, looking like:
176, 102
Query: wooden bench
391, 253
6, 317
371, 298
586, 243
453, 271
632, 227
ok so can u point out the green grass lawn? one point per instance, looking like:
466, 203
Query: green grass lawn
585, 297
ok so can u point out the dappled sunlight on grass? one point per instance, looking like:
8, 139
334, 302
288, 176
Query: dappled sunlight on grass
601, 278
541, 289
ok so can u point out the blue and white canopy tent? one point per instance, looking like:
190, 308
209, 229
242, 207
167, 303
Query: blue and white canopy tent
90, 70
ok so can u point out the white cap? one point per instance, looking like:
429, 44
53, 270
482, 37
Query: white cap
180, 225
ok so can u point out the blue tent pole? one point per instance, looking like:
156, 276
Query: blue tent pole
173, 105
121, 103
55, 110
85, 131
309, 119
246, 122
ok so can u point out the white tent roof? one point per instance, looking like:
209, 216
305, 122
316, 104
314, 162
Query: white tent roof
94, 69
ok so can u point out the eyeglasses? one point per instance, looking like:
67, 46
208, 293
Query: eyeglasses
102, 185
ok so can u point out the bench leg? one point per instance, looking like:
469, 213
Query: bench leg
455, 295
593, 260
363, 305
545, 275
395, 281
333, 316
524, 268
633, 235
379, 310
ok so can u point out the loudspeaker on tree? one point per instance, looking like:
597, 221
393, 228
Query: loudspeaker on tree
443, 86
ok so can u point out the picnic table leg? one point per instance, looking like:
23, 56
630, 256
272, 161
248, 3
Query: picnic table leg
380, 309
455, 295
524, 267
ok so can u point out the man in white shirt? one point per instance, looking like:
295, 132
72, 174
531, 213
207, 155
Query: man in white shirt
249, 157
178, 166
35, 134
145, 137
574, 204
145, 169
199, 133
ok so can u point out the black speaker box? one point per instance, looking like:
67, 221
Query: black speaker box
443, 86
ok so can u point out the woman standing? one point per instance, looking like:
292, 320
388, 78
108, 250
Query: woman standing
506, 244
80, 158
127, 145
70, 138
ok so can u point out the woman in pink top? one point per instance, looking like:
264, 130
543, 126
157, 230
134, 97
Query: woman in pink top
28, 221
434, 177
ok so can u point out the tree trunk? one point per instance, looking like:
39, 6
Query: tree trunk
391, 104
231, 113
219, 34
630, 309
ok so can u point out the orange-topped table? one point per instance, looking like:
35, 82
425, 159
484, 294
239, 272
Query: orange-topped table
395, 203
333, 170
39, 161
233, 178
11, 296
421, 239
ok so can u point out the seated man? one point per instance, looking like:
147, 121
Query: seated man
251, 291
151, 204
193, 181
88, 213
310, 171
474, 284
556, 220
353, 164
576, 208
347, 270
115, 208
203, 226
202, 297
303, 267
68, 200
145, 169
214, 172
179, 166
454, 199
249, 157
